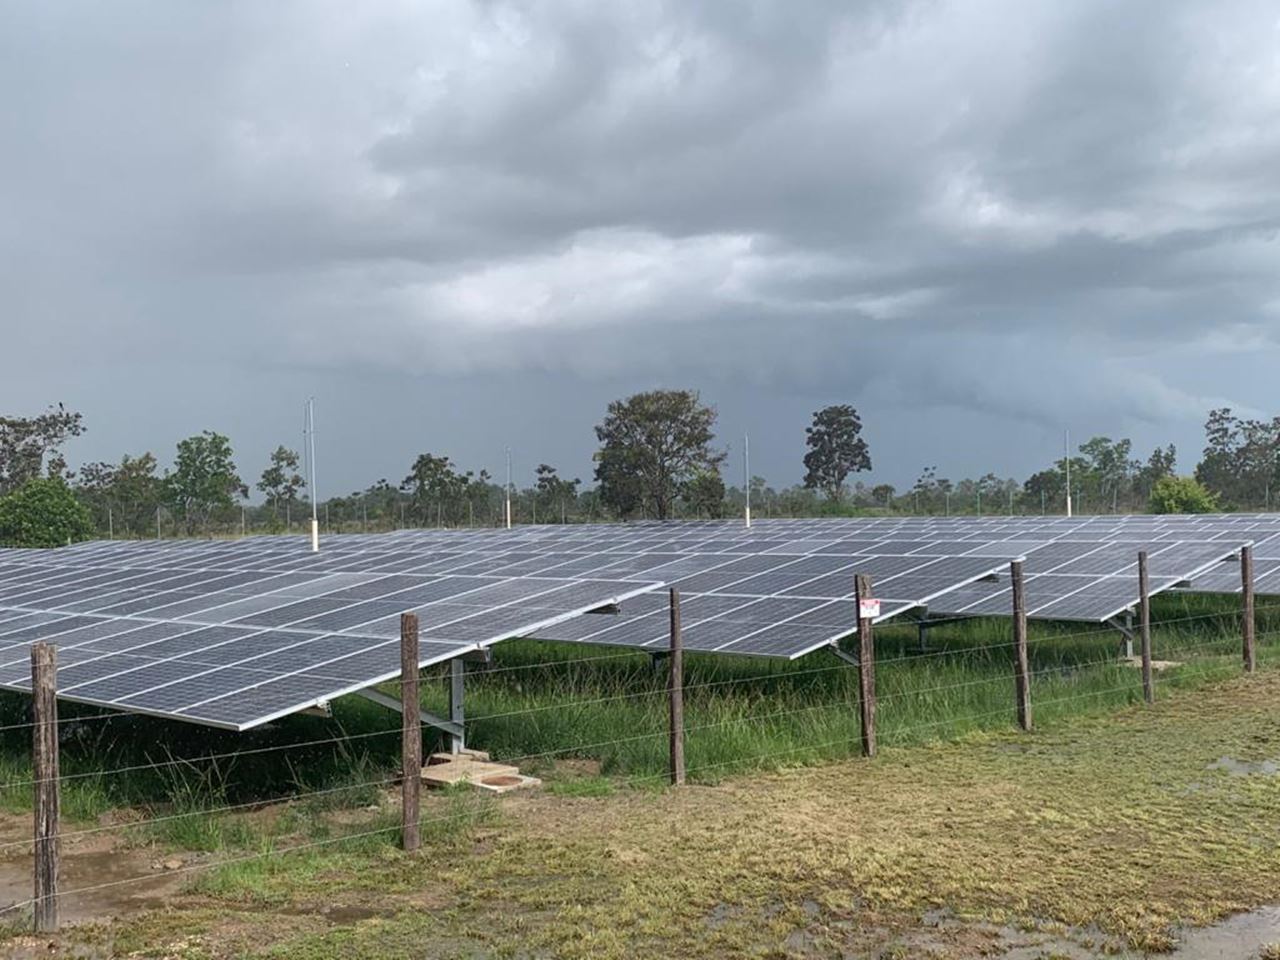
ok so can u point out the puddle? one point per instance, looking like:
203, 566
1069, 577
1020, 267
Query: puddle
1241, 937
146, 888
1245, 768
341, 916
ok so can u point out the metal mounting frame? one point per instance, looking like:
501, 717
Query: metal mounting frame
844, 655
455, 724
1126, 632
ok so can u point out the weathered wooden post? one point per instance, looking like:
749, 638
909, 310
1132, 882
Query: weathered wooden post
1144, 627
1247, 622
410, 734
675, 688
1021, 662
44, 753
866, 664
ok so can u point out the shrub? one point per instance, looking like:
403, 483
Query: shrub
1181, 495
43, 513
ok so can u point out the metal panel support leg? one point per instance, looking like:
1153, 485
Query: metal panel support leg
457, 716
1125, 627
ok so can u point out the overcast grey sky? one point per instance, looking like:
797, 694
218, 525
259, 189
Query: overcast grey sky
466, 225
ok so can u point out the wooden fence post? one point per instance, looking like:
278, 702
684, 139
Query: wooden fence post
1247, 623
866, 668
44, 743
1021, 662
675, 688
1144, 627
411, 734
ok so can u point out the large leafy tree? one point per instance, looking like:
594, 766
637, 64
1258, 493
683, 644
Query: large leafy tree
652, 445
836, 449
31, 446
281, 481
204, 480
43, 512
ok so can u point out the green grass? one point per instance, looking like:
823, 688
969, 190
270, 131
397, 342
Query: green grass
593, 723
549, 707
545, 703
1141, 826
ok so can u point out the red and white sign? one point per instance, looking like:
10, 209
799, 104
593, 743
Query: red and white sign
868, 609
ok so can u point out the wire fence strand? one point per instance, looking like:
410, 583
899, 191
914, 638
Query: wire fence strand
740, 763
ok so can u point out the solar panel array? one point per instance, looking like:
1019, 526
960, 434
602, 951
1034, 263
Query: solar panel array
1075, 569
238, 634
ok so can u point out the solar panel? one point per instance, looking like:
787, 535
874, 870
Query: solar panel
237, 633
195, 632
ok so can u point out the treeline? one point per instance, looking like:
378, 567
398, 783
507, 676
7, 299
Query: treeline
657, 458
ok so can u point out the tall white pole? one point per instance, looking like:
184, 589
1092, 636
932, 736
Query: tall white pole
746, 472
311, 479
508, 490
1066, 449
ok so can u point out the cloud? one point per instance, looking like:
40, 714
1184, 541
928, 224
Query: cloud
1022, 212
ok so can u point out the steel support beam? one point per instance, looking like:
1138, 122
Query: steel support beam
1125, 627
457, 716
429, 719
845, 655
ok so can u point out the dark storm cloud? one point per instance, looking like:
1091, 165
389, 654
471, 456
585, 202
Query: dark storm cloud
1017, 215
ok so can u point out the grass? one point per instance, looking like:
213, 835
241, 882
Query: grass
1106, 830
548, 706
593, 723
544, 704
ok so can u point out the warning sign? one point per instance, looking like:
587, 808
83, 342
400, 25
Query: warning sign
868, 609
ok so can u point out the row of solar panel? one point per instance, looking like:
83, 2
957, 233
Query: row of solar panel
235, 633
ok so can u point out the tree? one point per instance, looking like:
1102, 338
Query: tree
204, 479
482, 490
553, 493
1181, 495
653, 445
1159, 465
433, 483
836, 449
43, 512
281, 481
95, 489
705, 494
882, 494
1241, 462
930, 491
1109, 470
136, 491
26, 442
1046, 489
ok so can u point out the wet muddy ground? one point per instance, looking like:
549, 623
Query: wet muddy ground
114, 879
